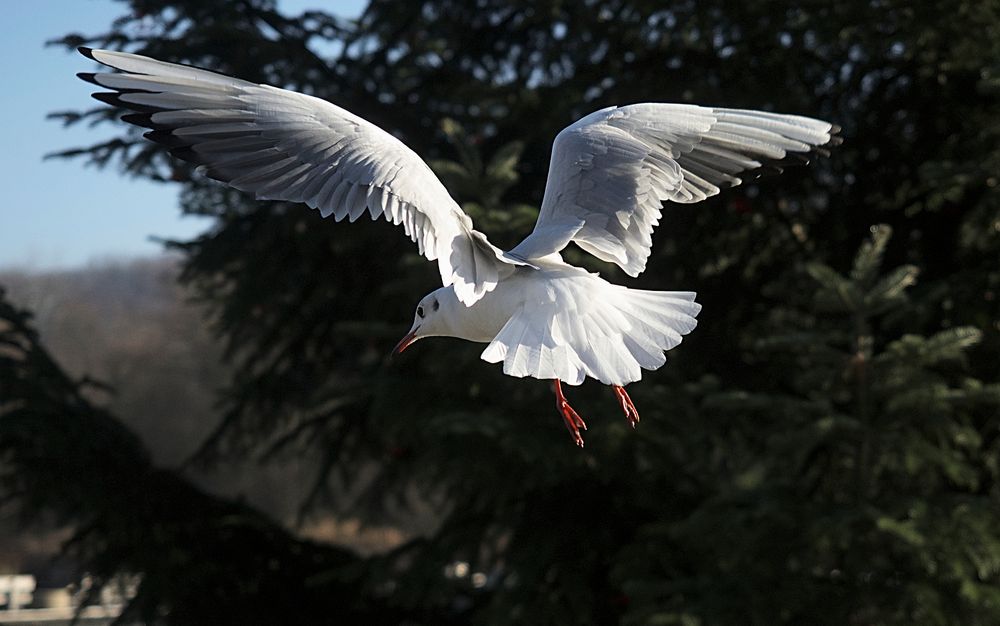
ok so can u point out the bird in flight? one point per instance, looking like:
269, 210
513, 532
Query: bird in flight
609, 175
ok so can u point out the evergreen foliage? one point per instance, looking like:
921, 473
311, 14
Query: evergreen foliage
184, 553
822, 449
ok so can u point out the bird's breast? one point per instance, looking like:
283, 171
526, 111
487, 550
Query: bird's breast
482, 321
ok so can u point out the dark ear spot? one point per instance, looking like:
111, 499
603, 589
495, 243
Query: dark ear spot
436, 305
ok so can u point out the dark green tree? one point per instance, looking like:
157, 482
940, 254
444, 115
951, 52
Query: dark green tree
859, 489
190, 557
820, 450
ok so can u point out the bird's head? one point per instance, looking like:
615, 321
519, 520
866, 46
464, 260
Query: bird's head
434, 317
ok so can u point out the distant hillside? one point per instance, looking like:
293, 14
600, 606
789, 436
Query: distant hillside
130, 325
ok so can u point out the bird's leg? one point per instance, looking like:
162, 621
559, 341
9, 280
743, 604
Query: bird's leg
573, 421
631, 414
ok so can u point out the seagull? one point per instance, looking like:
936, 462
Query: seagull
609, 176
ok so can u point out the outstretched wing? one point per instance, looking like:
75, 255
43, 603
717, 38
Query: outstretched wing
283, 145
611, 171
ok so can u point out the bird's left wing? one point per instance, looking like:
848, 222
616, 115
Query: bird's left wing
283, 145
611, 171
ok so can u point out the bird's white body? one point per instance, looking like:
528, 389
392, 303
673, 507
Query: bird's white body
558, 321
609, 176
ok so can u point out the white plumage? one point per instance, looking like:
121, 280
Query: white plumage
611, 171
567, 324
283, 145
609, 175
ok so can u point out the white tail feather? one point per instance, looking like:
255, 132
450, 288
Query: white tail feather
588, 327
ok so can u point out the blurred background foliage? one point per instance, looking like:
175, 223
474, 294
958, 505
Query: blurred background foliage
823, 449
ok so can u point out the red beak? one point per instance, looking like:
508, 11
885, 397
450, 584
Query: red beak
405, 342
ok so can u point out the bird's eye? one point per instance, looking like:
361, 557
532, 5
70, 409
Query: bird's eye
420, 311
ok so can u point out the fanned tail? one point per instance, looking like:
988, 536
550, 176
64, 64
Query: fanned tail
607, 332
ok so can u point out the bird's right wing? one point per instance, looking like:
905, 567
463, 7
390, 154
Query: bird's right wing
611, 171
283, 145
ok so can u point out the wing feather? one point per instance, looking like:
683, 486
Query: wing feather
611, 171
579, 325
283, 145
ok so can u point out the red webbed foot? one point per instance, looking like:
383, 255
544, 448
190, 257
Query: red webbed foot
631, 414
574, 423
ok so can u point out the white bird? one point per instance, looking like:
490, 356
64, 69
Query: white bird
609, 175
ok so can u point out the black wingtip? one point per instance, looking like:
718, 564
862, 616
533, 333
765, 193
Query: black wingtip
87, 52
90, 77
107, 97
187, 153
768, 169
142, 119
167, 138
114, 99
834, 140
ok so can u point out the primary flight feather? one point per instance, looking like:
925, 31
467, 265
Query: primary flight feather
609, 175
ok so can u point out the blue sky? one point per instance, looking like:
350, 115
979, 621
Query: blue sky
58, 213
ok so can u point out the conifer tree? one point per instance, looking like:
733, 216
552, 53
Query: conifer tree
856, 488
822, 449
